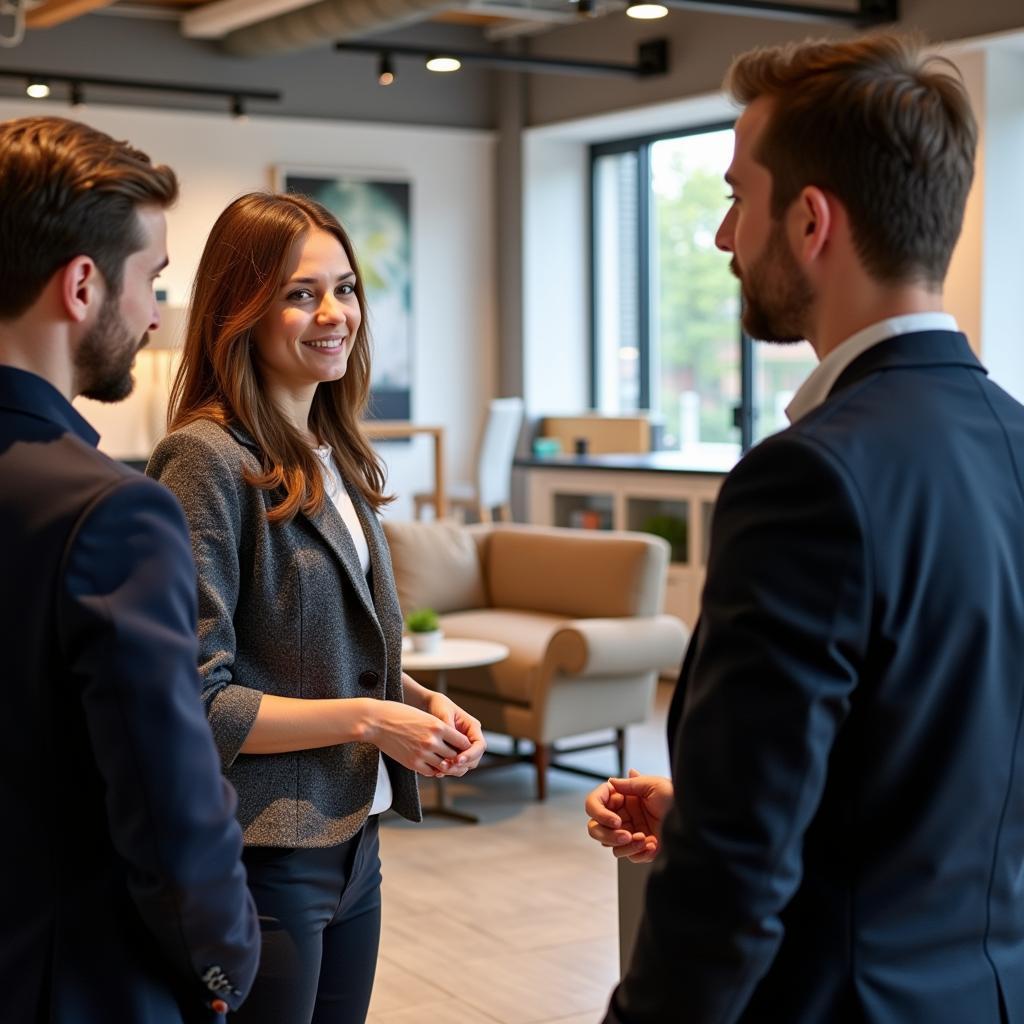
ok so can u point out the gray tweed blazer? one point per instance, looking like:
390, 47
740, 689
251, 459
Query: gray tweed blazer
285, 610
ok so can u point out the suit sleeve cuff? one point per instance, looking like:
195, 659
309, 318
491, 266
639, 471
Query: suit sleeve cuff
232, 714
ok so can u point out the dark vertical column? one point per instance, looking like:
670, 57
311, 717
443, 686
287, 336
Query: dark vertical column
511, 119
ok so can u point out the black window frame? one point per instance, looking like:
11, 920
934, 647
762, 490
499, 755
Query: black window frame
743, 414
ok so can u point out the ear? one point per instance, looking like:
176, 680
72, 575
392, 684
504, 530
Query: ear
813, 223
81, 288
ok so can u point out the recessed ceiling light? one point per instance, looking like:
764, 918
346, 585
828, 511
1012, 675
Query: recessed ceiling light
37, 89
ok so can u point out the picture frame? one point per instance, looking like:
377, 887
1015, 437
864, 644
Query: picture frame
375, 209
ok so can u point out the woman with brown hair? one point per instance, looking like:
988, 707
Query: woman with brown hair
299, 626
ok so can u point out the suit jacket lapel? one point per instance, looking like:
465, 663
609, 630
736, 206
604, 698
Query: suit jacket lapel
332, 530
329, 525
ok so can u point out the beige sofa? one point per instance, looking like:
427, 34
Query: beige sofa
579, 611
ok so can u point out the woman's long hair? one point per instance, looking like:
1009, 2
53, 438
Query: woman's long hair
238, 281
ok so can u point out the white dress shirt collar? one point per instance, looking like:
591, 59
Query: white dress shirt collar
815, 389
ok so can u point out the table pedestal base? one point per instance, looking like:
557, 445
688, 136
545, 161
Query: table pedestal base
443, 809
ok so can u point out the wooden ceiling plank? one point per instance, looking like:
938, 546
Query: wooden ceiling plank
56, 12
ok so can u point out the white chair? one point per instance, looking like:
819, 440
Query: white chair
493, 482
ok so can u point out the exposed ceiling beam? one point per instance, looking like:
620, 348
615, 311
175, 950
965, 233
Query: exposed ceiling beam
252, 28
522, 12
56, 12
141, 11
864, 13
216, 20
326, 20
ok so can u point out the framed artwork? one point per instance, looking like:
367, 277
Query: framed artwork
376, 211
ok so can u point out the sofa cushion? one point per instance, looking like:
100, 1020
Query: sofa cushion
525, 634
578, 574
437, 566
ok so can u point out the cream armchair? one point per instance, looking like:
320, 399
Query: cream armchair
578, 610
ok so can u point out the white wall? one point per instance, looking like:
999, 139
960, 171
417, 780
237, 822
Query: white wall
555, 267
454, 319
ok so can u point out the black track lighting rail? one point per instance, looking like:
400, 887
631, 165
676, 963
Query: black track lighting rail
866, 14
77, 83
652, 59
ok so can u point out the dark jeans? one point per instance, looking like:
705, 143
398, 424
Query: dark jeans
320, 924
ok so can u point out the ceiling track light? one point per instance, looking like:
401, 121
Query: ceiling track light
585, 6
39, 86
443, 63
652, 59
646, 10
385, 71
238, 111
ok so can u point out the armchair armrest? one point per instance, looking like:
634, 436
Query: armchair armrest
605, 647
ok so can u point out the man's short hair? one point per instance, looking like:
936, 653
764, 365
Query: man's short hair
68, 190
885, 128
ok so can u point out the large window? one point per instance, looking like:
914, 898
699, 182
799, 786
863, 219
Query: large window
778, 370
666, 334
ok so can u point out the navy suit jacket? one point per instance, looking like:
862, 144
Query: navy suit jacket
847, 839
122, 897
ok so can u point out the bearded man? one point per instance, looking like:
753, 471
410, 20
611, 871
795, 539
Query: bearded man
843, 837
122, 894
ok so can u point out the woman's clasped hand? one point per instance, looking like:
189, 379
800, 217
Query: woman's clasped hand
431, 735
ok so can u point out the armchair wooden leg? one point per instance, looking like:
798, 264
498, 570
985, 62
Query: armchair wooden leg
541, 759
620, 750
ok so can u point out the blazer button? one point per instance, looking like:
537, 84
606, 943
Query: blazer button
368, 680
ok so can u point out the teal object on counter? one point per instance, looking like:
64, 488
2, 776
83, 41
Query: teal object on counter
546, 447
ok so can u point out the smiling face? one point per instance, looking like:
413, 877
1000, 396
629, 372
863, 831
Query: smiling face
777, 297
306, 336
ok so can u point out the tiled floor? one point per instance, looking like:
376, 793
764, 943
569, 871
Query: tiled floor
513, 920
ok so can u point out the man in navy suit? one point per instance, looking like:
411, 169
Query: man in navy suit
122, 895
843, 836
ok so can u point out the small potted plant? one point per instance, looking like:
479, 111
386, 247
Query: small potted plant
425, 628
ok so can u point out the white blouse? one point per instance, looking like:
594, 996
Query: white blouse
337, 492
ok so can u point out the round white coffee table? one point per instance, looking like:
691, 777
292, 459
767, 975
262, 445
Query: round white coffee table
451, 655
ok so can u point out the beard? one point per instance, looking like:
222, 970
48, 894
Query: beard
777, 297
106, 355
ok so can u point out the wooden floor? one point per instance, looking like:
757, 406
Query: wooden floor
512, 920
